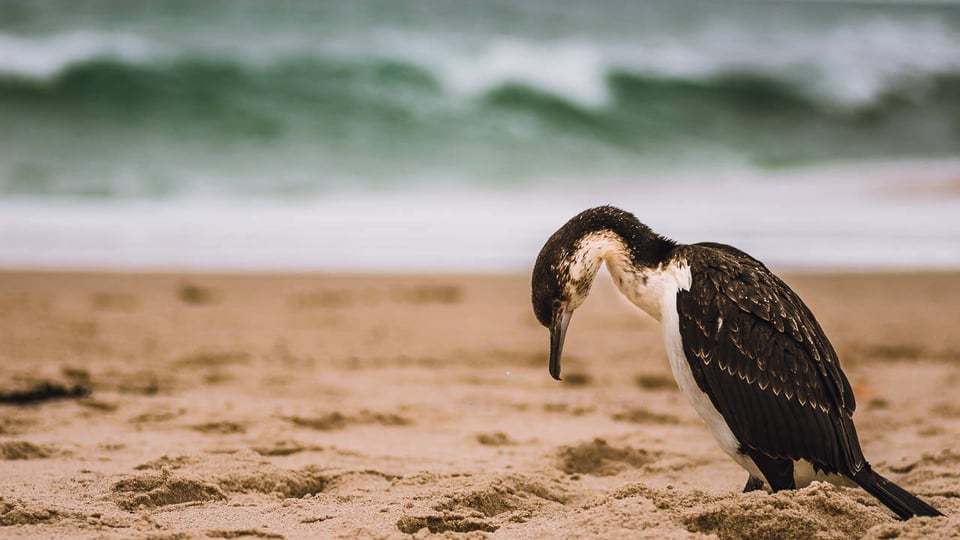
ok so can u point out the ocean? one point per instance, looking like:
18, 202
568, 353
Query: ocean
437, 135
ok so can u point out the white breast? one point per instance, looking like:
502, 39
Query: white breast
670, 320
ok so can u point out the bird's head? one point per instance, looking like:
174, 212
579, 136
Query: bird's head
565, 270
570, 259
555, 296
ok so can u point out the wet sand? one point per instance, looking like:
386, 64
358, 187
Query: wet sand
305, 406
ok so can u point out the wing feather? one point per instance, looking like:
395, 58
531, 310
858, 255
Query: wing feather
755, 348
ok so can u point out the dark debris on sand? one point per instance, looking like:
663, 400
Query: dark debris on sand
44, 391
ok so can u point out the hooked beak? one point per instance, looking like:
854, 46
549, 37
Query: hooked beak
558, 330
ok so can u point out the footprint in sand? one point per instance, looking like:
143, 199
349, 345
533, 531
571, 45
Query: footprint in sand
597, 458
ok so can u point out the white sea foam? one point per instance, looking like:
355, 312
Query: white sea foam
575, 71
849, 64
42, 57
894, 216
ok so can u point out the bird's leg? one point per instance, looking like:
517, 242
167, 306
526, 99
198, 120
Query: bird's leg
753, 484
776, 471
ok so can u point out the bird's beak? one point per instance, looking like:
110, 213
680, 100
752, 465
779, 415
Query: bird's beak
558, 330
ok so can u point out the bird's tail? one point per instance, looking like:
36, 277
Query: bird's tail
902, 502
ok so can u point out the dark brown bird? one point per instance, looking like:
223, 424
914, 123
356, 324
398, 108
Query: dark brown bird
743, 347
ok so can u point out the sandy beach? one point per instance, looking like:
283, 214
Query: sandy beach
316, 406
265, 266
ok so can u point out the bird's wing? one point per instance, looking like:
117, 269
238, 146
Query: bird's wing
755, 348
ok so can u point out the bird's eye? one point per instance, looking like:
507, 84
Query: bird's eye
557, 304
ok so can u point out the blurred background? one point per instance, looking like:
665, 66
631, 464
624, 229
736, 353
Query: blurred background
432, 135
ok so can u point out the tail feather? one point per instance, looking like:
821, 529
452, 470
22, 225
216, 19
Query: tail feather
903, 503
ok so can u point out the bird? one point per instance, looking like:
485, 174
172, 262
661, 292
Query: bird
743, 347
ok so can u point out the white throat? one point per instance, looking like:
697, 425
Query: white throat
650, 289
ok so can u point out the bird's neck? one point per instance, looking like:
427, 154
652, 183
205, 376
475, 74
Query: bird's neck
642, 273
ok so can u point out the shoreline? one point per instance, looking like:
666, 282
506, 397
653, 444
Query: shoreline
837, 217
794, 272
